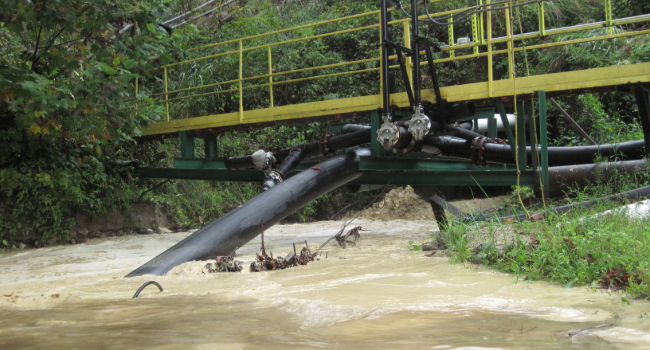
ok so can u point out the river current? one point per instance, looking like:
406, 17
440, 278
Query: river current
377, 294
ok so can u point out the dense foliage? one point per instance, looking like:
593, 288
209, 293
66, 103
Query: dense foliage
63, 68
69, 131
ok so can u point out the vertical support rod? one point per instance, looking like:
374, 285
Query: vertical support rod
511, 62
375, 124
643, 103
608, 16
450, 30
521, 135
492, 126
532, 138
475, 37
408, 60
540, 18
506, 125
241, 88
166, 95
384, 57
187, 145
489, 49
381, 63
543, 138
415, 44
270, 75
211, 146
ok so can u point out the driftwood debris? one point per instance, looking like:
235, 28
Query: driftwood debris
349, 237
266, 262
224, 264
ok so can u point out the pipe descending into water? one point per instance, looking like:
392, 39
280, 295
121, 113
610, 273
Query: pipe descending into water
231, 231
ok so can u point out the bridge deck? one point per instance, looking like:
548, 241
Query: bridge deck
558, 83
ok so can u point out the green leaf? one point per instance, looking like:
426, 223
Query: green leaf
106, 69
4, 242
151, 28
116, 61
625, 300
128, 64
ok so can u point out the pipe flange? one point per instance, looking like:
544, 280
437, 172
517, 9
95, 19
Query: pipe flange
272, 178
409, 148
420, 124
478, 145
388, 135
322, 144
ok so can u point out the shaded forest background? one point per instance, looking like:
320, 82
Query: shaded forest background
68, 66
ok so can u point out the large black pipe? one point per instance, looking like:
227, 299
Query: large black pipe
630, 196
563, 178
233, 230
566, 155
291, 162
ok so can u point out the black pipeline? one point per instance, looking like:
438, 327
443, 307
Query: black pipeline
325, 146
567, 155
231, 231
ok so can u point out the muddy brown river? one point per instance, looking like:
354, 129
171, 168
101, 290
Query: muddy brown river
376, 294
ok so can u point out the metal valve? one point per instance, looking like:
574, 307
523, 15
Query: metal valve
263, 160
420, 124
388, 134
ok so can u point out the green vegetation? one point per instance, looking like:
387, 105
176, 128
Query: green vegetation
67, 69
579, 247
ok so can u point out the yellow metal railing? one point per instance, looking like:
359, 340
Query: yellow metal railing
482, 37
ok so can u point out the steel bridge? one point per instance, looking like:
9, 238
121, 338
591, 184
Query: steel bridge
488, 93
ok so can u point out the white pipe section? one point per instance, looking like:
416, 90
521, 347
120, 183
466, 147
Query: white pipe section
483, 123
190, 11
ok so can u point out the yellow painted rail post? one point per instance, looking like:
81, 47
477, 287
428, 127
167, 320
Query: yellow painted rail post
540, 18
241, 83
608, 16
407, 44
481, 33
489, 49
166, 95
450, 29
475, 32
270, 76
511, 72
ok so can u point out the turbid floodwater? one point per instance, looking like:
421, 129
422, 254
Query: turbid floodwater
376, 294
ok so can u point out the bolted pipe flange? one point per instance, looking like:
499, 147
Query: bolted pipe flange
388, 134
420, 124
272, 178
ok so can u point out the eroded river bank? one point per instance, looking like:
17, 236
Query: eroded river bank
375, 294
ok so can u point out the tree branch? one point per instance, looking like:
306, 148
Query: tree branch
38, 40
49, 45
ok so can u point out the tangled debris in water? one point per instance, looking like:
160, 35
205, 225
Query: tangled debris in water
224, 264
342, 239
266, 262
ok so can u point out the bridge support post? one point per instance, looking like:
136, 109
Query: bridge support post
187, 145
644, 114
211, 147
